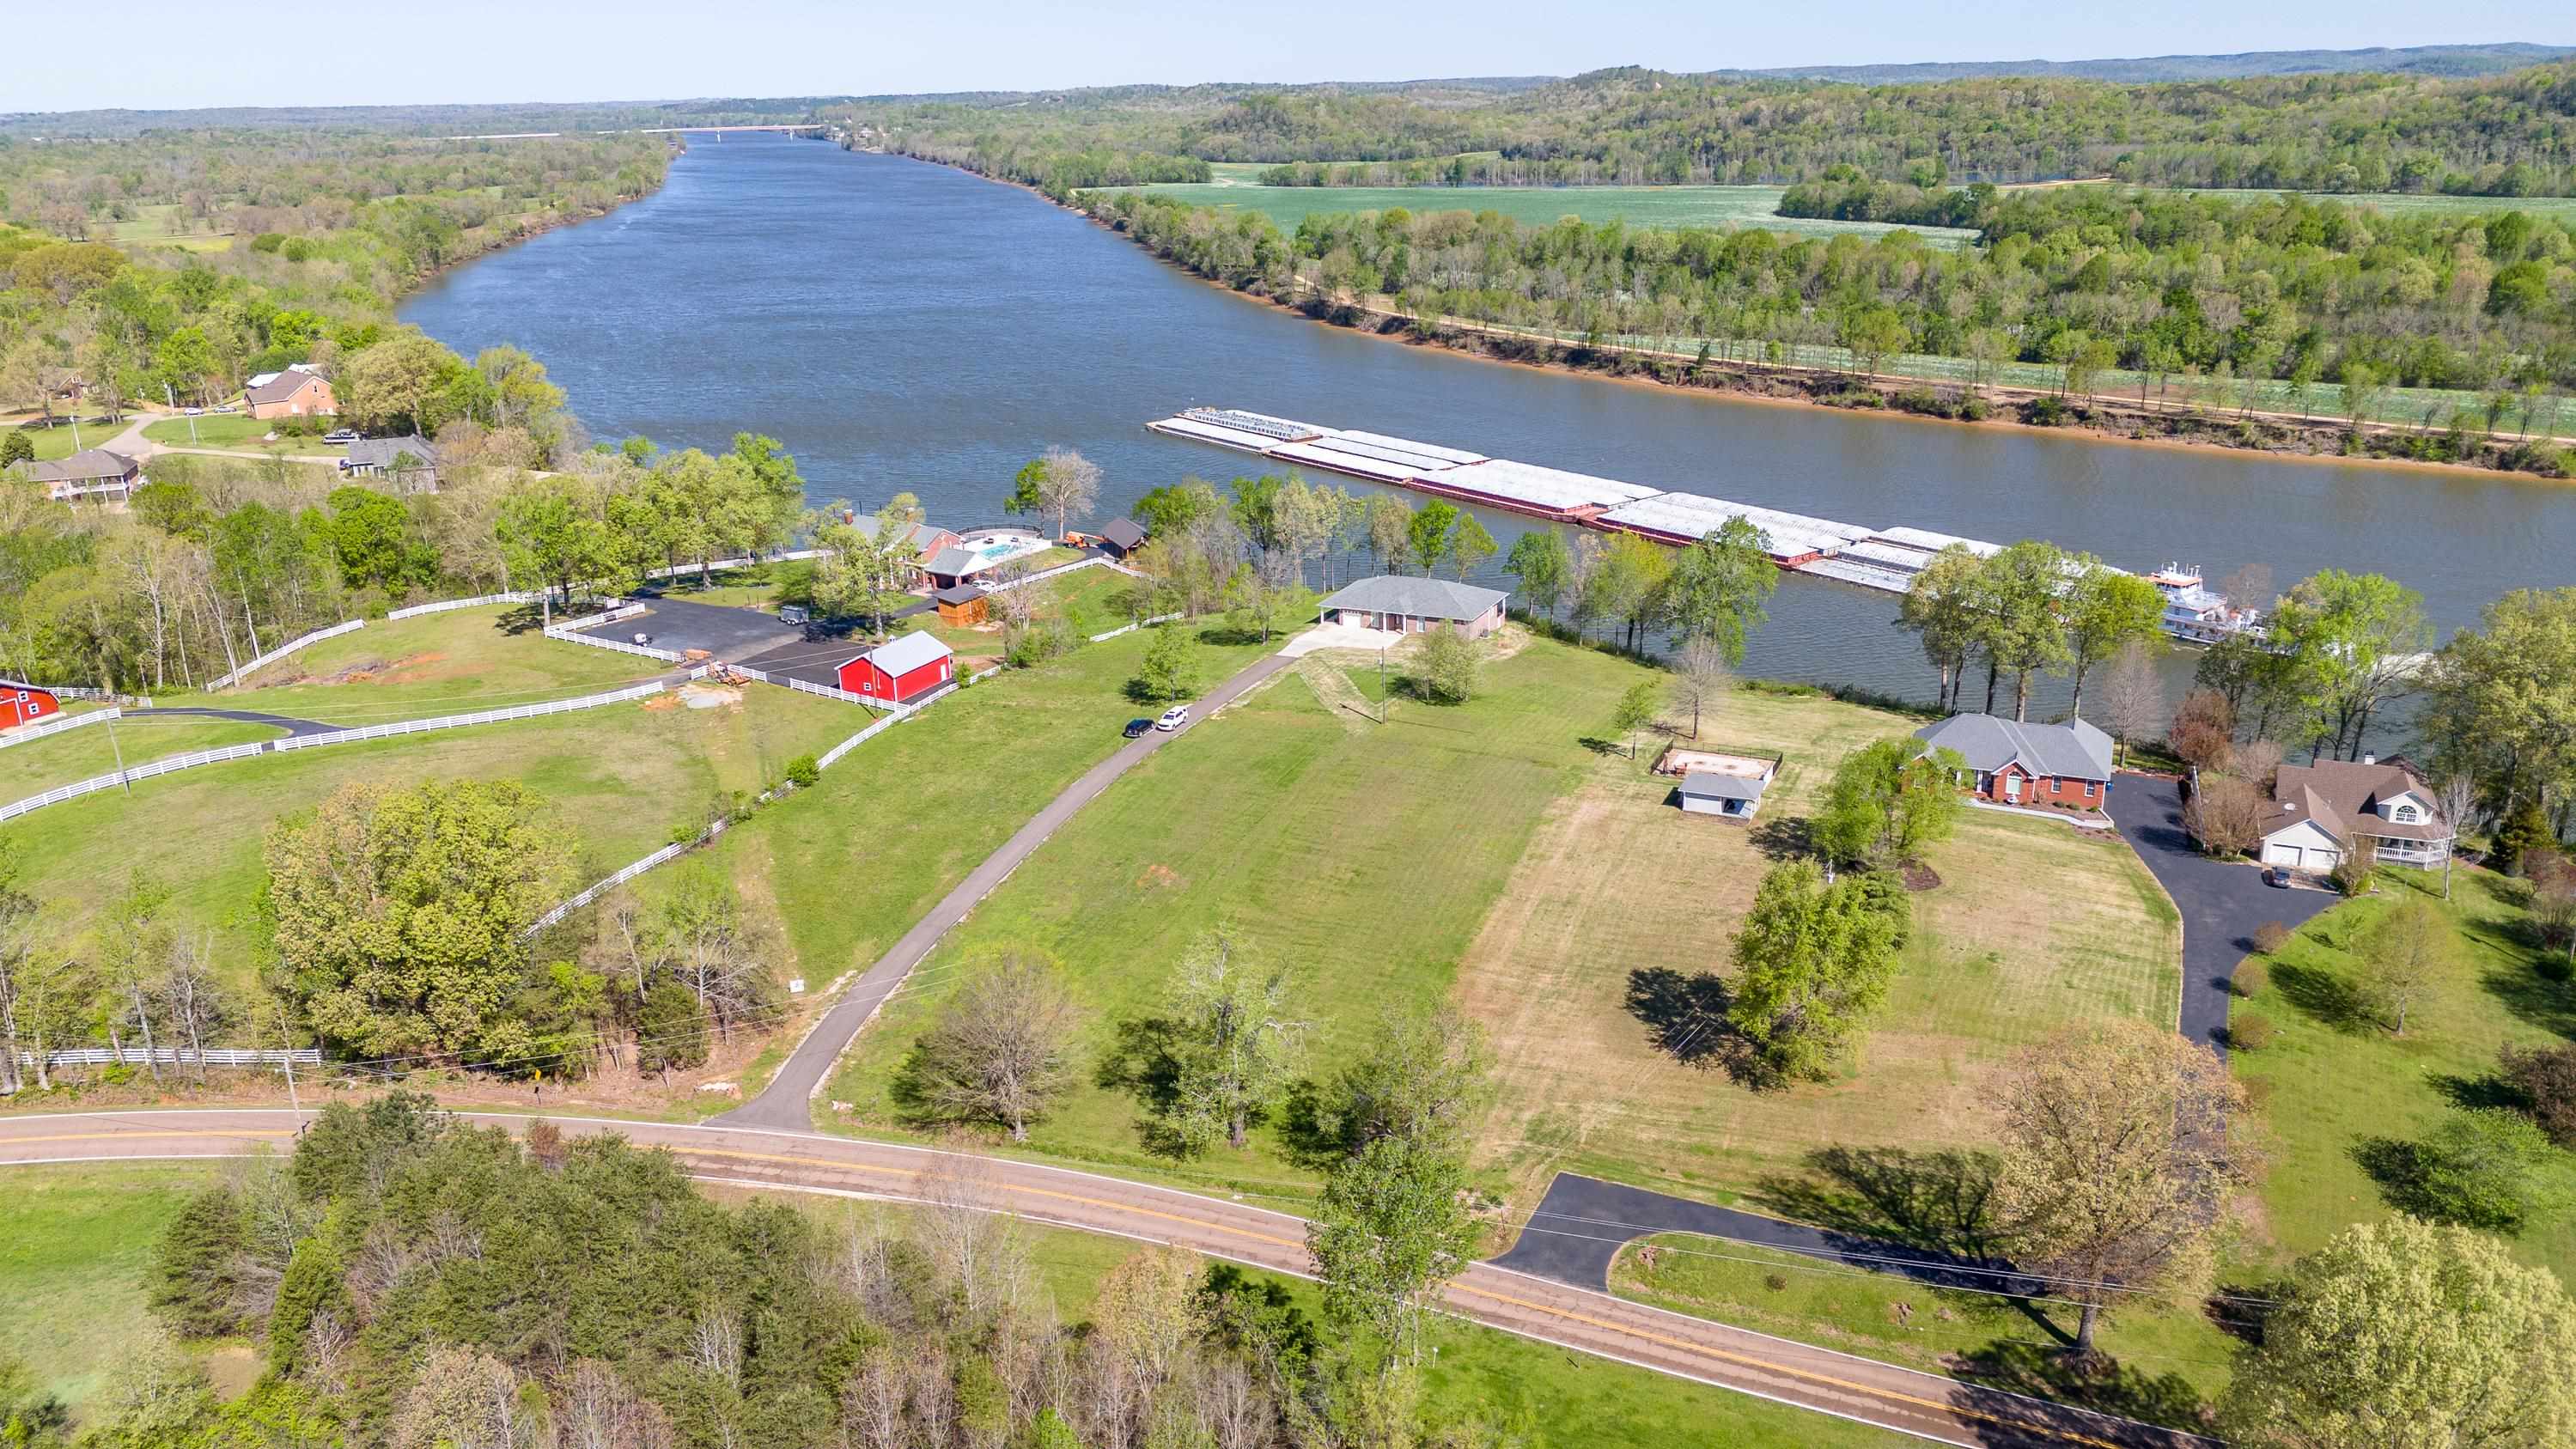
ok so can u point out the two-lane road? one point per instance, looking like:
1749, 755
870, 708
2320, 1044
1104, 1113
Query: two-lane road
1927, 1406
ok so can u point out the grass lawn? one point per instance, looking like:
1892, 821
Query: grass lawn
40, 765
56, 443
2335, 1083
1748, 207
451, 663
789, 581
2170, 1364
621, 776
233, 430
1091, 599
76, 1247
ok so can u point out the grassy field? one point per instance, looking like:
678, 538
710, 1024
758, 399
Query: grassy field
2562, 208
2169, 1365
233, 430
161, 225
62, 440
451, 663
1496, 854
1750, 207
2335, 1083
76, 1245
40, 765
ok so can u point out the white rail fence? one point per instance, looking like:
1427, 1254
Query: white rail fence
1024, 580
809, 687
515, 596
281, 651
176, 1056
1132, 628
673, 571
586, 896
56, 726
113, 779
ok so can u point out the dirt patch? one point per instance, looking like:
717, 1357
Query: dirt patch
1159, 876
362, 672
1920, 877
710, 696
664, 700
1505, 642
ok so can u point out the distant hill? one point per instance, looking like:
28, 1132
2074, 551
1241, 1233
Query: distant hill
2426, 60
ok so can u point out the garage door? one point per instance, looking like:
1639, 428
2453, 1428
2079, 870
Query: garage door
2281, 855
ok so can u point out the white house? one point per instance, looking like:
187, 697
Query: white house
2324, 811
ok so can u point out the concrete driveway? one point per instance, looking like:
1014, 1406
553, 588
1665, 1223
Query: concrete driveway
2222, 902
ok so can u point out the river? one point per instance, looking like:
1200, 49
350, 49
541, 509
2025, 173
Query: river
904, 326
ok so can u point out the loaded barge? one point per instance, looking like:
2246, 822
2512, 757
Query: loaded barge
1882, 559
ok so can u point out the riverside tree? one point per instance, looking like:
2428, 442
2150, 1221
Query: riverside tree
1942, 606
2500, 700
1540, 563
1237, 1044
1718, 587
1812, 963
2121, 1146
2350, 641
1001, 1051
1063, 482
2133, 697
2410, 1336
1887, 801
1700, 678
2106, 611
1448, 662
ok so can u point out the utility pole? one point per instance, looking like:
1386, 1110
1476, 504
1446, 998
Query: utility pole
173, 399
1381, 684
119, 751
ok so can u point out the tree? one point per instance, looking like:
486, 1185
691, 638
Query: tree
377, 547
1391, 1227
1719, 585
2487, 1168
2226, 815
400, 915
2351, 642
709, 950
1943, 607
1540, 562
2133, 696
1887, 801
2106, 611
407, 383
2407, 954
2018, 628
1237, 1044
1067, 485
1700, 678
1167, 673
1390, 528
1469, 546
2408, 1335
2546, 1078
1421, 1076
2203, 733
1447, 662
1426, 532
16, 447
463, 1398
1002, 1048
1812, 962
2500, 700
2119, 1153
1635, 711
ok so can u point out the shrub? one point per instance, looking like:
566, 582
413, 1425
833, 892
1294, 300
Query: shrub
1776, 1282
2546, 1078
268, 241
804, 772
2480, 1170
2270, 937
2353, 874
2249, 1031
2250, 979
2048, 412
298, 249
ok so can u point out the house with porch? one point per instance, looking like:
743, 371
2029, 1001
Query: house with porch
92, 473
1404, 604
2328, 810
2014, 762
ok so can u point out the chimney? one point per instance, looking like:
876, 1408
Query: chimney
2370, 759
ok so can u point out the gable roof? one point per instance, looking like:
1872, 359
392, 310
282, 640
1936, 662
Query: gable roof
902, 656
279, 386
83, 466
955, 561
2337, 795
381, 452
1418, 598
959, 594
1122, 532
1720, 785
2075, 750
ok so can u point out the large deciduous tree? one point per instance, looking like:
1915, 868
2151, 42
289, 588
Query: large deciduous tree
1540, 561
2018, 627
2351, 642
1812, 962
1720, 584
1393, 1225
1887, 801
1943, 606
2500, 699
2106, 610
1237, 1045
2133, 697
1001, 1050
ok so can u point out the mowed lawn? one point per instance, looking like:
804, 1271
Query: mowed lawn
234, 430
621, 776
2334, 1083
1621, 898
141, 736
76, 1253
457, 662
1744, 207
60, 441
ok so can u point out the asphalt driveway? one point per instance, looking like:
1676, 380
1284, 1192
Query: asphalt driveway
2222, 902
729, 634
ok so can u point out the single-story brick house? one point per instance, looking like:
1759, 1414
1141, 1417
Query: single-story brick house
2331, 808
901, 671
2013, 762
1405, 604
89, 473
300, 391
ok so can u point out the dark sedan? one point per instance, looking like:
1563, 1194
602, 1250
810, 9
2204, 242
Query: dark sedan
1136, 728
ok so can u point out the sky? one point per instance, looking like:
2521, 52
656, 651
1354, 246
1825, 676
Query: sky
183, 53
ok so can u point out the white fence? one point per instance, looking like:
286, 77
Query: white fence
56, 726
1024, 580
281, 651
518, 596
645, 651
1132, 628
594, 892
809, 687
112, 779
833, 755
177, 1056
673, 571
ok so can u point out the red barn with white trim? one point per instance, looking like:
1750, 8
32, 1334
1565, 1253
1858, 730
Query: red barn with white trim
22, 703
902, 671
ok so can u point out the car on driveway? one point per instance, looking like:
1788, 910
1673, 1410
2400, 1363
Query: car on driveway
2277, 876
1136, 728
1173, 718
340, 435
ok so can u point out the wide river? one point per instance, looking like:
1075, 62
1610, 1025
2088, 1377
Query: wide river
903, 326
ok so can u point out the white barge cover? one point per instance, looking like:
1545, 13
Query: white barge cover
1317, 455
1223, 437
1550, 488
1694, 515
1403, 455
1277, 429
1930, 542
1408, 445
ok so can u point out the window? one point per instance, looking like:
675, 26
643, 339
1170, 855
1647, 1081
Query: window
2089, 787
2403, 813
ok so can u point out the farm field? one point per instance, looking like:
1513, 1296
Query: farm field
77, 1243
2397, 203
2338, 1087
450, 663
162, 225
77, 754
1749, 207
233, 430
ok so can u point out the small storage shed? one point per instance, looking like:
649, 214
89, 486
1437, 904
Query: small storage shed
901, 671
22, 703
962, 605
1716, 792
1120, 537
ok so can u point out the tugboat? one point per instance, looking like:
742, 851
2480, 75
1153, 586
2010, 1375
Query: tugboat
2194, 613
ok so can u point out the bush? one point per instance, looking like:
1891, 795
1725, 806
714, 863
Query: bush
2048, 412
2270, 937
2250, 979
804, 772
2353, 875
2480, 1170
2249, 1031
1776, 1282
2546, 1078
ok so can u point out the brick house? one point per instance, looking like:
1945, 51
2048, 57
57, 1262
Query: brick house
1404, 604
2329, 809
2012, 762
298, 392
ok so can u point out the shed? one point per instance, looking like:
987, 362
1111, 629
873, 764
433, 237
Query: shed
1718, 792
901, 671
1120, 537
22, 703
962, 605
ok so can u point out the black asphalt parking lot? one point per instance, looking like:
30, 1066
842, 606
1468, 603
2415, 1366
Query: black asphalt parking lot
2222, 902
732, 635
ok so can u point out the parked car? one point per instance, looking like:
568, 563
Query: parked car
794, 614
643, 638
1173, 718
195, 412
2277, 876
224, 408
340, 435
1136, 728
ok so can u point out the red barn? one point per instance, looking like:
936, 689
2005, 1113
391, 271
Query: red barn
25, 704
902, 671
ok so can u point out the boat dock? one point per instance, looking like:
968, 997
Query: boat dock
1883, 559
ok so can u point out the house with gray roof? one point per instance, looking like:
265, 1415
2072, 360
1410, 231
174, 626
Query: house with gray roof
1721, 792
2014, 762
89, 473
1404, 604
412, 463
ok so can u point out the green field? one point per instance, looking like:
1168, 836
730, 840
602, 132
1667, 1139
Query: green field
2334, 1083
233, 430
1668, 206
432, 664
160, 224
76, 1247
2398, 203
40, 765
62, 440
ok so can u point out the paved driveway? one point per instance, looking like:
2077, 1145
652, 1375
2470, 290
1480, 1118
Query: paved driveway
733, 635
2222, 902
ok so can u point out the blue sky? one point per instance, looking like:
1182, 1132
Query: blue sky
155, 54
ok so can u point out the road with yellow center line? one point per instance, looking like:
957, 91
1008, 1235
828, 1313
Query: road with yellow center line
1927, 1406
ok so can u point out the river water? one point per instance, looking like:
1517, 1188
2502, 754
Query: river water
903, 326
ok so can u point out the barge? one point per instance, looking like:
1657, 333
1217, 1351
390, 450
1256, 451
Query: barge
1885, 560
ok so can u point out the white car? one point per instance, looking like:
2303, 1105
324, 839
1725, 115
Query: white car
340, 435
1173, 718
